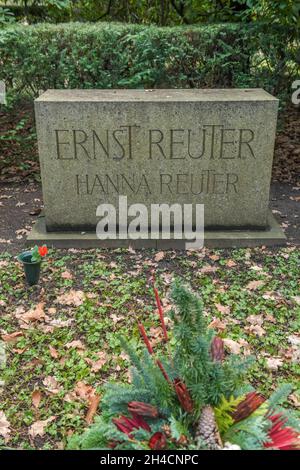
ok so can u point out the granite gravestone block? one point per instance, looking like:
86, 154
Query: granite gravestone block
213, 147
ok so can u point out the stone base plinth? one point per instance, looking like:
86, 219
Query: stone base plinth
213, 239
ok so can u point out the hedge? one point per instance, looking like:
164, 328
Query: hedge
109, 55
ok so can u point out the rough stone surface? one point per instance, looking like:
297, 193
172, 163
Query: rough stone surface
156, 146
274, 236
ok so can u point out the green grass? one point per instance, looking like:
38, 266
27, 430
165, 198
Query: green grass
117, 288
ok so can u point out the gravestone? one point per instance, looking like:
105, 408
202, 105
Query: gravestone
211, 147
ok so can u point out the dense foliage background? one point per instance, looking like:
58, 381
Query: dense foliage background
117, 44
110, 55
161, 12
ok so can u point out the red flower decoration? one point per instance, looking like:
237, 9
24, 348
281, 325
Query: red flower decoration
246, 407
43, 250
183, 395
158, 441
139, 422
124, 424
282, 438
161, 314
142, 409
217, 349
127, 425
145, 338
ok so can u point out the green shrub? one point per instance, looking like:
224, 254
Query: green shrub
108, 55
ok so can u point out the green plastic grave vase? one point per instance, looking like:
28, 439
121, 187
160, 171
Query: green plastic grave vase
31, 269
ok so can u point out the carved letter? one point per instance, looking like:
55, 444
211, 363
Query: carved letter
130, 139
118, 157
80, 143
217, 182
145, 183
182, 178
84, 183
97, 184
175, 142
167, 183
130, 185
234, 179
58, 144
245, 142
213, 127
105, 149
203, 144
157, 142
115, 186
226, 142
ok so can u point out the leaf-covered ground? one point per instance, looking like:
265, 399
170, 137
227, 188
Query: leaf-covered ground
60, 339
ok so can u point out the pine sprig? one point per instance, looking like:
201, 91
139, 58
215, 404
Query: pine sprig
198, 394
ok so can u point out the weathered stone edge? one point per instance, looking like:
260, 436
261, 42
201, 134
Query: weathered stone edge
213, 239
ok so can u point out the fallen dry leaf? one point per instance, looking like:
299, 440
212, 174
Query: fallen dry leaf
52, 385
53, 352
83, 391
296, 299
12, 336
34, 362
256, 329
255, 319
256, 268
294, 340
73, 297
76, 344
36, 398
38, 428
246, 347
233, 346
230, 263
218, 325
273, 363
2, 240
270, 318
4, 426
58, 323
52, 311
224, 309
46, 328
94, 402
116, 318
214, 257
99, 363
92, 295
295, 399
253, 285
159, 256
208, 269
19, 351
34, 314
124, 356
66, 275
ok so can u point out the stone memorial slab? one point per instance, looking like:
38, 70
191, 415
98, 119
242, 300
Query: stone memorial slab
211, 147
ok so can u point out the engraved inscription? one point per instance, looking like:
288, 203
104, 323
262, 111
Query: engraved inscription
208, 182
206, 142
